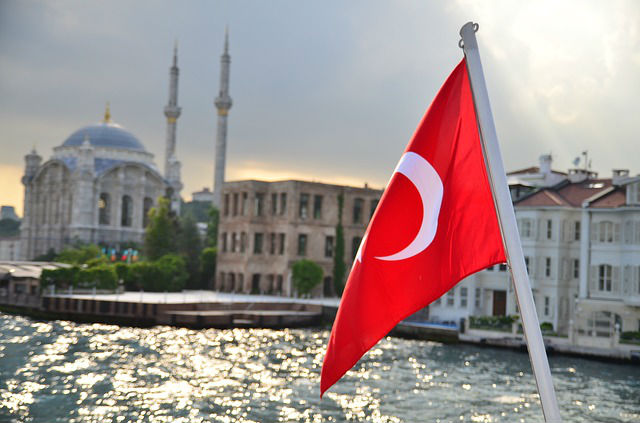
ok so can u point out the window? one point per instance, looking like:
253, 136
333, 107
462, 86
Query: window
355, 244
127, 210
243, 242
317, 206
525, 228
463, 296
576, 231
259, 204
226, 205
272, 243
303, 209
283, 203
438, 302
104, 208
245, 202
576, 268
451, 298
502, 267
526, 263
490, 269
279, 284
547, 267
605, 232
358, 205
146, 207
604, 277
374, 205
302, 244
547, 306
328, 246
478, 300
235, 203
281, 244
257, 243
274, 204
224, 242
234, 242
549, 229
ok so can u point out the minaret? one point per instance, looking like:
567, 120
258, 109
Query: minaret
223, 104
172, 112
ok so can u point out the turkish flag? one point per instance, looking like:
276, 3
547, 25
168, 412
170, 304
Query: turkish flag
435, 224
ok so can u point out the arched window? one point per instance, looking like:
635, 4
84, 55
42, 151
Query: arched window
146, 207
104, 209
127, 211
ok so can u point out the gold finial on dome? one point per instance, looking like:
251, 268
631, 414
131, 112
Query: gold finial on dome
107, 114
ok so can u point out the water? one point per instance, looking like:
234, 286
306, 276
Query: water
66, 372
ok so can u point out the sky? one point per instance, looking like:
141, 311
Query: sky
325, 91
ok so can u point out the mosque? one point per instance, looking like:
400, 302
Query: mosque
101, 182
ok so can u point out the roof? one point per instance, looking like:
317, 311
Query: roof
105, 134
532, 169
26, 269
566, 194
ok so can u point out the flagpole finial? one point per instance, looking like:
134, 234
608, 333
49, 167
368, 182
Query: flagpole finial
469, 26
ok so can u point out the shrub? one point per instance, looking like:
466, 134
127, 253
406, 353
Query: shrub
546, 327
61, 277
208, 265
100, 277
305, 276
168, 273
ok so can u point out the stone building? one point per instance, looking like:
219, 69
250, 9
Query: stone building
98, 186
265, 227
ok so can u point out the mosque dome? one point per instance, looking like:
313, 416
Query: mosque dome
105, 134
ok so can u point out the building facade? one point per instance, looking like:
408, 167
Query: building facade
97, 187
265, 227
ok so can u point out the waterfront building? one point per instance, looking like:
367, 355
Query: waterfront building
265, 227
204, 196
98, 186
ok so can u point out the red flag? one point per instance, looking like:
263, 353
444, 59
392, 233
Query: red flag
436, 224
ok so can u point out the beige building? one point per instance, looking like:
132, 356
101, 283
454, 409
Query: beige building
265, 227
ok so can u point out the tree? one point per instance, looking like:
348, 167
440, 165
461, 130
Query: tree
339, 266
305, 276
80, 255
208, 266
190, 246
160, 235
212, 227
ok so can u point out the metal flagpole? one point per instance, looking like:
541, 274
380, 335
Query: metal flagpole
508, 226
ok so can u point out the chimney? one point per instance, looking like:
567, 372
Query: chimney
545, 164
619, 175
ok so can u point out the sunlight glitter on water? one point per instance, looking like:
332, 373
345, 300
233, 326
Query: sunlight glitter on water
68, 372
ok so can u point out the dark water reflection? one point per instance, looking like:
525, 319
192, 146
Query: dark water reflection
67, 372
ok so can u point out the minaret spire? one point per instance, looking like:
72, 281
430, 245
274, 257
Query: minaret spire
223, 104
172, 112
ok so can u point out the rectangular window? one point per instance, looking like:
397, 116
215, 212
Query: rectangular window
547, 267
576, 268
259, 204
463, 296
226, 205
272, 243
234, 242
245, 201
526, 262
502, 267
283, 203
257, 243
274, 204
303, 209
224, 242
576, 231
302, 244
478, 300
547, 306
235, 203
281, 244
374, 205
317, 206
451, 298
358, 205
243, 242
525, 228
328, 246
549, 229
490, 269
604, 277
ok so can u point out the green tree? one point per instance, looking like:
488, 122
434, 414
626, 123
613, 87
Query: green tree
160, 234
208, 266
62, 277
80, 255
305, 275
190, 246
339, 266
198, 209
212, 227
168, 273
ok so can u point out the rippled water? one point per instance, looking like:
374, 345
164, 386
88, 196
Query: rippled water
66, 372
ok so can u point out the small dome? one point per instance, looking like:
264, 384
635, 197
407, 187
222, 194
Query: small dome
105, 134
